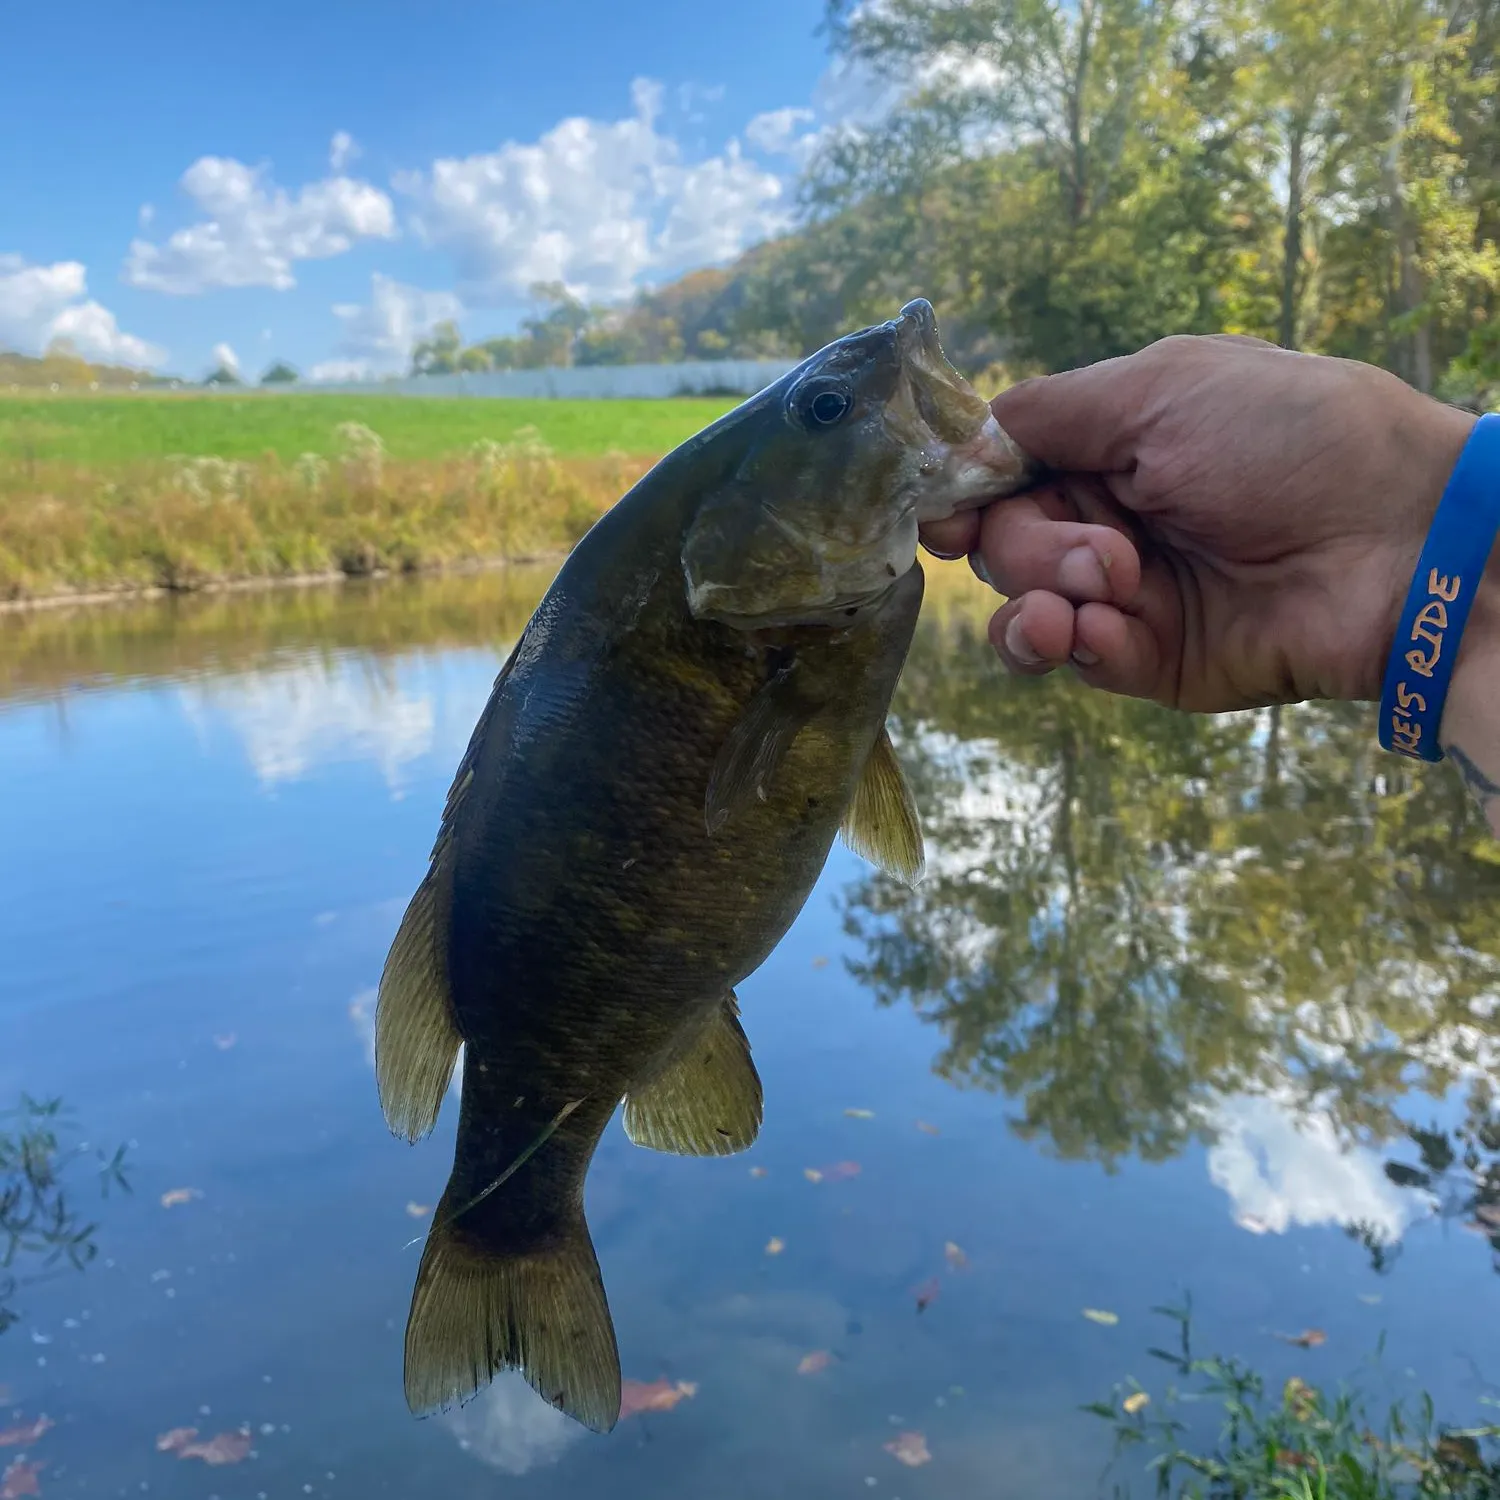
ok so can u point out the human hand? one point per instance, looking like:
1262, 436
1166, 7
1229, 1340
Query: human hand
1228, 524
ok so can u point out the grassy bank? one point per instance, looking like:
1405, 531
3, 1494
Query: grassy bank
108, 431
190, 523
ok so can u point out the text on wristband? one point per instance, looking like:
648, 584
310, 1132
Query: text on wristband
1429, 627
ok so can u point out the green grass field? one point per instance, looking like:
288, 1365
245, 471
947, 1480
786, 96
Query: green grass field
102, 431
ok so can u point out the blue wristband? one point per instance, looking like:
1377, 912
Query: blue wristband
1447, 578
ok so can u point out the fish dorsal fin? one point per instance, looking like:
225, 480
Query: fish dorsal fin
882, 824
475, 1311
707, 1100
756, 746
416, 1033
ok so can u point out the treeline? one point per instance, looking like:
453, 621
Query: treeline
1070, 179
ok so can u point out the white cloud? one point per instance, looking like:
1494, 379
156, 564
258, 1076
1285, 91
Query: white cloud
378, 335
39, 304
594, 204
224, 358
146, 214
294, 722
1284, 1167
777, 132
342, 149
254, 232
508, 1427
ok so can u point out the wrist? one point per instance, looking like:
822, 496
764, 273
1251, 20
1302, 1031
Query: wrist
1471, 713
1429, 437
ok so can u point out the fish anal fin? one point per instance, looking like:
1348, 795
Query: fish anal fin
544, 1313
416, 1035
881, 823
756, 746
707, 1100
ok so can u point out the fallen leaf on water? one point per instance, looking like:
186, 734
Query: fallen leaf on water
927, 1129
860, 1114
927, 1293
24, 1435
20, 1479
757, 1171
1291, 1458
955, 1256
174, 1196
225, 1040
775, 1246
820, 962
1309, 1338
419, 1210
224, 1448
1370, 1299
812, 1174
637, 1396
909, 1448
1099, 1315
819, 1359
1139, 1401
841, 1171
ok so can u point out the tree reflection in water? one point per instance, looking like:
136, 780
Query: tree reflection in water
40, 1225
1133, 915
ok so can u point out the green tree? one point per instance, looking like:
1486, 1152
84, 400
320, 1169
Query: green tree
280, 373
438, 353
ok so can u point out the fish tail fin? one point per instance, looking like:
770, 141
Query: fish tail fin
416, 1035
475, 1312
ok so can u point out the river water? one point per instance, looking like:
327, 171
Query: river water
1184, 1008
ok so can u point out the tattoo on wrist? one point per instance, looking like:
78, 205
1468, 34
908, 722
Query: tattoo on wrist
1484, 789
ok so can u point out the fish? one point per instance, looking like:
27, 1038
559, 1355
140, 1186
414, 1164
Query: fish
693, 714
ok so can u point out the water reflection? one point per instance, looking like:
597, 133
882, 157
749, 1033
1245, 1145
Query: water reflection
1151, 930
42, 1228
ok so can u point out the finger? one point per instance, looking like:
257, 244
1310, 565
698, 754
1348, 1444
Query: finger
1081, 420
956, 537
1117, 652
1025, 548
1034, 634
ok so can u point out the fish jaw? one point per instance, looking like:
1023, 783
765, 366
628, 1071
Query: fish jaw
967, 474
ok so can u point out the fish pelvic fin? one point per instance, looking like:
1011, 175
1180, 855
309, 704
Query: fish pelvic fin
707, 1100
416, 1034
544, 1313
882, 824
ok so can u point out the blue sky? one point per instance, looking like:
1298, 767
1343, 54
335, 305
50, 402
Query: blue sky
321, 181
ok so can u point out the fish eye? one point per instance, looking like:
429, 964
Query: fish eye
823, 404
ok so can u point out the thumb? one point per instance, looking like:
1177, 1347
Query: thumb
1086, 421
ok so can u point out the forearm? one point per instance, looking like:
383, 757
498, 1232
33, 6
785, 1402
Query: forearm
1470, 734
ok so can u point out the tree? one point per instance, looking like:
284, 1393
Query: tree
280, 373
221, 375
438, 353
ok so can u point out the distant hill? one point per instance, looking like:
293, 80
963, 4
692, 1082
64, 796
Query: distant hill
70, 373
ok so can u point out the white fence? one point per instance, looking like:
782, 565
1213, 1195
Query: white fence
586, 382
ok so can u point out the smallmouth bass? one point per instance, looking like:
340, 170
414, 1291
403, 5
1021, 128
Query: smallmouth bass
692, 715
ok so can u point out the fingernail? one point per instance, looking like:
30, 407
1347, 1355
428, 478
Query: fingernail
942, 556
1017, 644
1083, 657
982, 573
1081, 574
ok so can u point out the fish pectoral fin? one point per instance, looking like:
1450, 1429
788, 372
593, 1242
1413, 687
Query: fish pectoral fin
882, 823
755, 747
707, 1100
416, 1035
474, 1313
